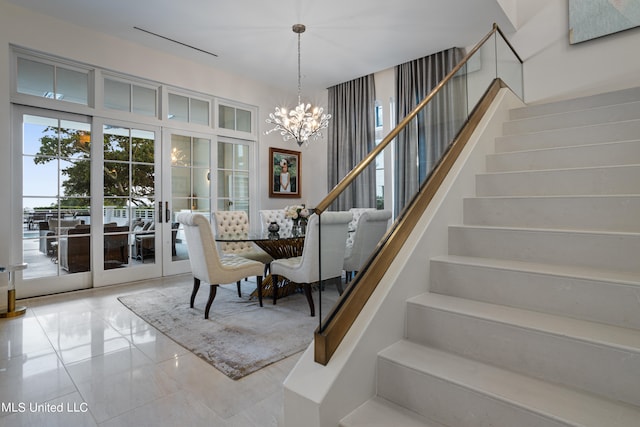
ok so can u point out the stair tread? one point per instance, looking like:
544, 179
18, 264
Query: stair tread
566, 147
583, 330
570, 128
618, 277
548, 171
556, 402
379, 412
546, 230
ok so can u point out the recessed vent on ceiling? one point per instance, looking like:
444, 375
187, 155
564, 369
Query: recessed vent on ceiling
175, 41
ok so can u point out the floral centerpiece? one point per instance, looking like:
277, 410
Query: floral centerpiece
300, 215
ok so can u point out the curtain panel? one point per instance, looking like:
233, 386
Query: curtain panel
423, 142
351, 138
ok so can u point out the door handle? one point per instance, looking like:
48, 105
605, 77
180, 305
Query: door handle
167, 212
159, 211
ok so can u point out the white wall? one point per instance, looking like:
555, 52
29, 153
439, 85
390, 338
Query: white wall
554, 69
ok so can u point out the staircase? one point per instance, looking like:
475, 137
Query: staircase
533, 318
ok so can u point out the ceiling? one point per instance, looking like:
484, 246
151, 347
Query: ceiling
344, 39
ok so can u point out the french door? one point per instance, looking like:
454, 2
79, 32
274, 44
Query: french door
99, 198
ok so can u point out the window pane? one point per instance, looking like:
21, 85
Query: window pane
180, 150
243, 120
117, 95
75, 178
224, 184
116, 143
40, 176
226, 117
180, 182
200, 182
178, 108
72, 86
39, 131
201, 149
116, 179
144, 101
241, 161
142, 146
199, 112
142, 184
225, 156
35, 78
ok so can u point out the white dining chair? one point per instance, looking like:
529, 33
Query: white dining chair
237, 222
206, 264
369, 230
305, 269
267, 216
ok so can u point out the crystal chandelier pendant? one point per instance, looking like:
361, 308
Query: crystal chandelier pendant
304, 122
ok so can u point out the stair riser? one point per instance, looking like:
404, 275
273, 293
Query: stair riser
583, 103
451, 404
608, 114
616, 252
613, 154
549, 357
593, 300
586, 135
582, 213
592, 181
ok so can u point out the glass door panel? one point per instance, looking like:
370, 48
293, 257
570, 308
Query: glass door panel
130, 237
56, 195
233, 176
189, 173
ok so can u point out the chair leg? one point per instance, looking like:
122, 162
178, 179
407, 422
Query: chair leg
259, 278
196, 286
339, 285
307, 293
212, 295
274, 287
239, 289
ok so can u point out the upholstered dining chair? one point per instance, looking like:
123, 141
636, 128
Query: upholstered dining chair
267, 216
304, 269
208, 266
232, 222
371, 226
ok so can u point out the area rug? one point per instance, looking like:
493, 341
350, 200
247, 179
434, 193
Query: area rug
240, 337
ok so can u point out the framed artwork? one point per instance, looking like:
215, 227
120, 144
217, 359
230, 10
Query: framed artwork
590, 19
285, 172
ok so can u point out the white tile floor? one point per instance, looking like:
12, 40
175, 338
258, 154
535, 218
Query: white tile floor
86, 354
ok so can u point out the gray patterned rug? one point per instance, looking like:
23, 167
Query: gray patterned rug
239, 337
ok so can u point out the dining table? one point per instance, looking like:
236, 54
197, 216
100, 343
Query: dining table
278, 246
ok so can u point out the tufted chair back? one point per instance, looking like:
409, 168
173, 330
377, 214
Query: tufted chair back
372, 225
353, 225
232, 222
267, 216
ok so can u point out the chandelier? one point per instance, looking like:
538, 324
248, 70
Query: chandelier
303, 122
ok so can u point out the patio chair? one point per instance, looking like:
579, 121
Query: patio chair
208, 266
304, 269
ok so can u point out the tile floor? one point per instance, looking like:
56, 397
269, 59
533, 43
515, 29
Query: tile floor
86, 355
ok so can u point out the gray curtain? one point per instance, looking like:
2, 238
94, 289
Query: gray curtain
351, 138
423, 142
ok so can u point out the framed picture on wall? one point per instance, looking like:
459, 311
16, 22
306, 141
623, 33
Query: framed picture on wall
285, 172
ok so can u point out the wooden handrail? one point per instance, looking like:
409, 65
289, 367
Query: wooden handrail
353, 300
329, 335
